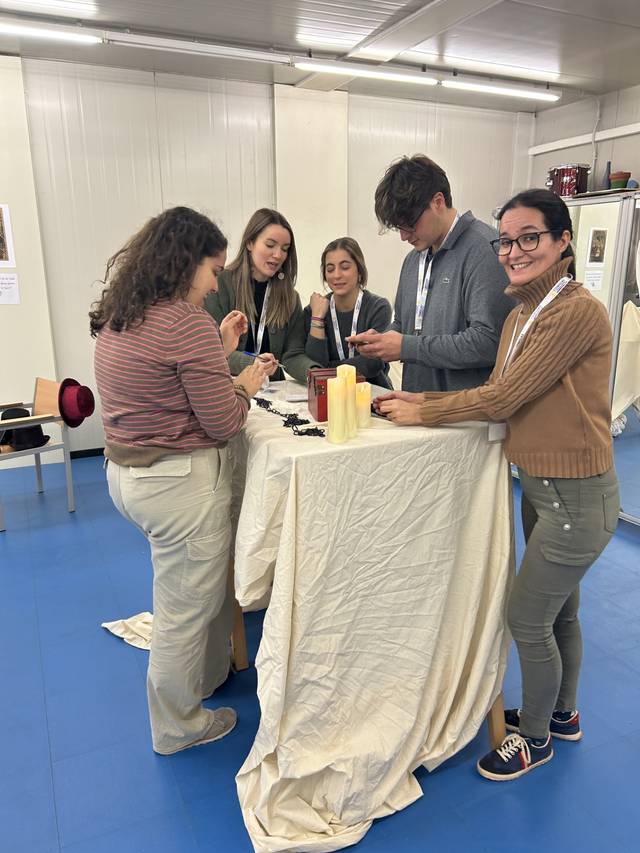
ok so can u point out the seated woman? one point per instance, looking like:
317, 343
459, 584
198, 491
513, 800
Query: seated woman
349, 308
169, 406
260, 282
551, 387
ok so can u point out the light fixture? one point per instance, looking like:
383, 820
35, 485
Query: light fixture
197, 48
352, 69
507, 89
48, 33
320, 66
78, 8
485, 68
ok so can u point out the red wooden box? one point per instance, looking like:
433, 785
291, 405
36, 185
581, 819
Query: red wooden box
317, 390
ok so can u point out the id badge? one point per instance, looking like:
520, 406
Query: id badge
497, 431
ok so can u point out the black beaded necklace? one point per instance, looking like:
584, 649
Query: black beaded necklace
291, 421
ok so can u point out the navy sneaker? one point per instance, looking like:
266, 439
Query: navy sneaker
565, 725
516, 756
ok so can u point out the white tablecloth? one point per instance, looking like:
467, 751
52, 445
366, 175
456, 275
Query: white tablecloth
383, 645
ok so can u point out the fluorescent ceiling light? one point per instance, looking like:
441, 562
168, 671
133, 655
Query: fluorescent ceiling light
351, 69
477, 66
48, 34
80, 9
196, 47
502, 89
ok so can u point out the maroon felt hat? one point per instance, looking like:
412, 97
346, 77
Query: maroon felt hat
75, 402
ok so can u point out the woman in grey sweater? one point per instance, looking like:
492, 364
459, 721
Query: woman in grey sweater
330, 319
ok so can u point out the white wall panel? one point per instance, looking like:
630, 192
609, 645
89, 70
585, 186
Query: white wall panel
311, 134
95, 157
216, 148
476, 148
26, 350
113, 147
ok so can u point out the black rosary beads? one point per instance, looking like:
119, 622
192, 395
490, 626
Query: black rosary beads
291, 421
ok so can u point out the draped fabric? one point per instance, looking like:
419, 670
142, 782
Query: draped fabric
384, 643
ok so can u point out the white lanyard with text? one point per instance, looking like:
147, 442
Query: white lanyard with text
336, 328
557, 288
257, 341
424, 277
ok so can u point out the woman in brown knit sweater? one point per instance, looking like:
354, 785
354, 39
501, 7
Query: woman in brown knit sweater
550, 390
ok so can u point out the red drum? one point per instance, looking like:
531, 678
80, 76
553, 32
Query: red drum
567, 181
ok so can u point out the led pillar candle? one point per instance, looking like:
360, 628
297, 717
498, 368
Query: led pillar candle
336, 410
363, 405
348, 373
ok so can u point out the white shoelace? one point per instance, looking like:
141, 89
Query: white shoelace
511, 745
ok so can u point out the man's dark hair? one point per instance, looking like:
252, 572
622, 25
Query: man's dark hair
407, 188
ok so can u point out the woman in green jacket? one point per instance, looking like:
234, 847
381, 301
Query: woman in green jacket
260, 282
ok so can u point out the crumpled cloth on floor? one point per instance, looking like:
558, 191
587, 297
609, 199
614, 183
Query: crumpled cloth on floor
136, 630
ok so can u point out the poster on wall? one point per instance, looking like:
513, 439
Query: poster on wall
9, 292
593, 279
597, 246
7, 256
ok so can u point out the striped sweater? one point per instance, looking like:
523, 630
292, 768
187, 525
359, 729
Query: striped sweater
554, 395
166, 384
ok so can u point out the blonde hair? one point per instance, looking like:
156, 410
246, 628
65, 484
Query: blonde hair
282, 297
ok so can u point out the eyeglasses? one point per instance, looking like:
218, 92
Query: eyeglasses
410, 229
526, 242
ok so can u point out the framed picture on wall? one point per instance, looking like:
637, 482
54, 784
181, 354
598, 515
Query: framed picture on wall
597, 245
7, 256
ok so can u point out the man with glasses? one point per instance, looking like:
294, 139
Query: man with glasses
450, 305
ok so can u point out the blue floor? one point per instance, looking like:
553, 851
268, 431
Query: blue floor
77, 770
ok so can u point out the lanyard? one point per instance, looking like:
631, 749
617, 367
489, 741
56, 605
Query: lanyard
557, 288
263, 317
336, 328
424, 278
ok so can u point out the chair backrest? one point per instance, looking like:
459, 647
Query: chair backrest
45, 397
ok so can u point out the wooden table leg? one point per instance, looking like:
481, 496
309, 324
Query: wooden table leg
495, 721
239, 654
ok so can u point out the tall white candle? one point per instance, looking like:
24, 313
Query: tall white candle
348, 372
363, 405
336, 410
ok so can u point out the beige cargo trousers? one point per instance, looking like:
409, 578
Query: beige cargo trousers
181, 504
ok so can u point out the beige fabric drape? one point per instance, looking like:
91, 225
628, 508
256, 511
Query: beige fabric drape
627, 385
384, 643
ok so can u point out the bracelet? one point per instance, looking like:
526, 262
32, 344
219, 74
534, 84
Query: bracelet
238, 386
320, 319
317, 326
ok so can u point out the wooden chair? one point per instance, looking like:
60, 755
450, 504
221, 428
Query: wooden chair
44, 410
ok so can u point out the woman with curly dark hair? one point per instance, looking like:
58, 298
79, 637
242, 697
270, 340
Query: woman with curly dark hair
169, 406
